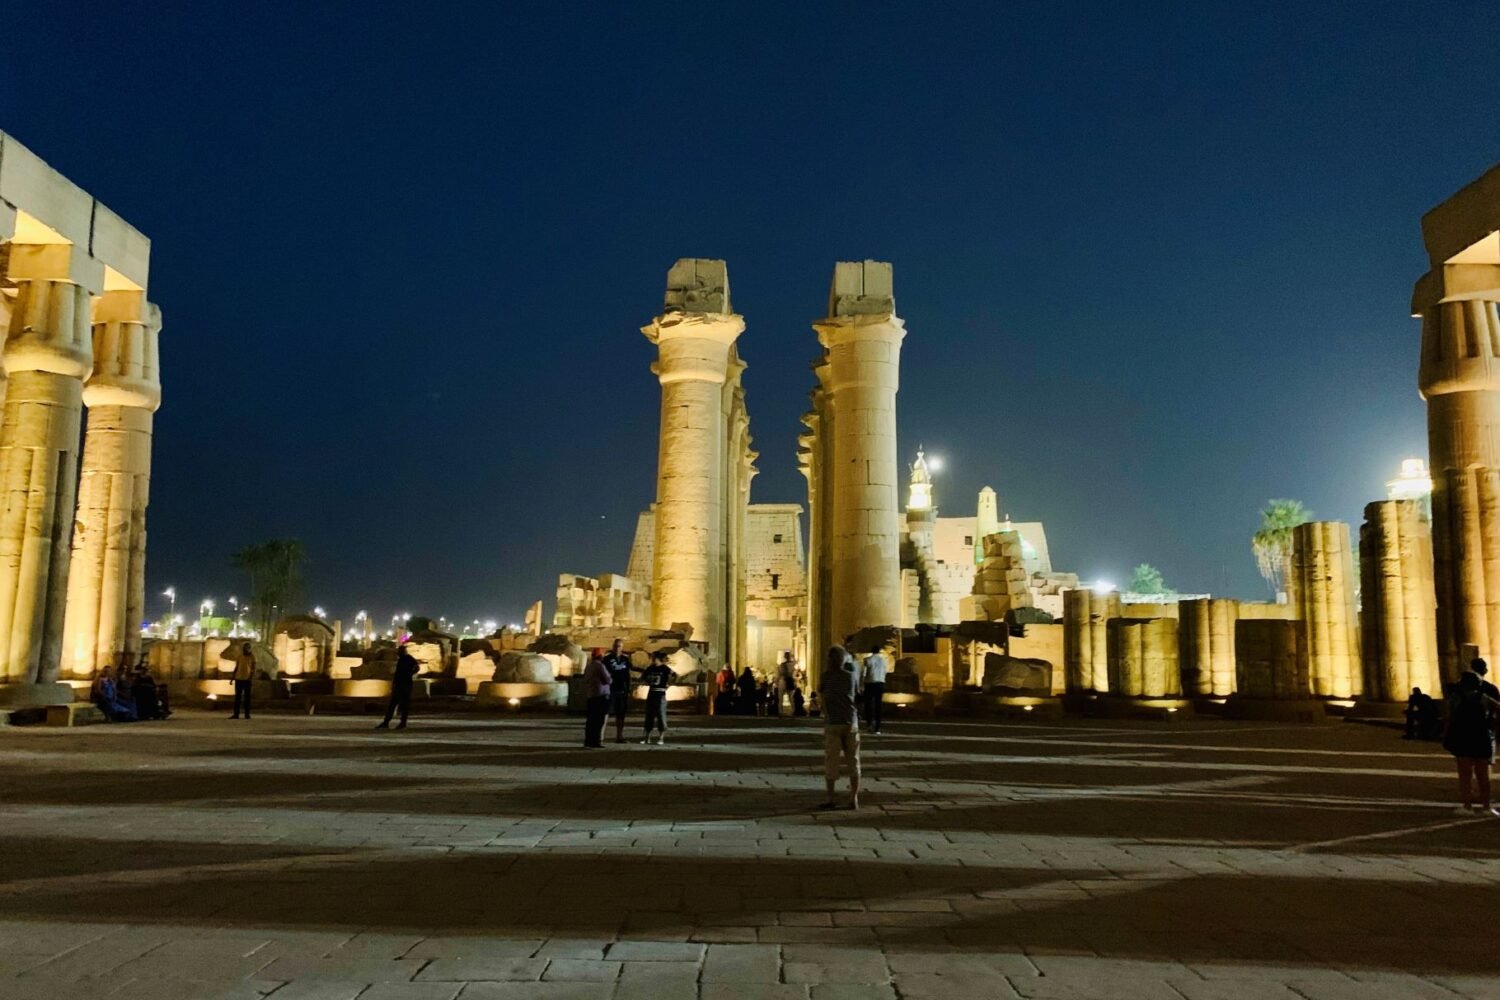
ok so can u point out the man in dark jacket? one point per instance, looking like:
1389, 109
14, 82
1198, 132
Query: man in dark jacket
401, 684
617, 662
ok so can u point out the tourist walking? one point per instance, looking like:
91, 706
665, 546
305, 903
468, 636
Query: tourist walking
596, 691
840, 689
618, 664
244, 676
402, 679
874, 686
658, 678
1471, 740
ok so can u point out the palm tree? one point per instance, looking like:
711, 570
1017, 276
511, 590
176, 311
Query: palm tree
1272, 544
275, 571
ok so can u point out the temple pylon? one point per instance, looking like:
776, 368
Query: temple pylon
107, 580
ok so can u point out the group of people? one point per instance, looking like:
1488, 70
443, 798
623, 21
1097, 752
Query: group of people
750, 694
126, 694
607, 682
1469, 735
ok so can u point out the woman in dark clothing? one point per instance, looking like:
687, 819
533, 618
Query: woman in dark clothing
1471, 741
748, 689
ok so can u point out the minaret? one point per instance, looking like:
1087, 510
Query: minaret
699, 373
987, 522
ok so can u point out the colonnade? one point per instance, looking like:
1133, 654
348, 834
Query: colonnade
79, 331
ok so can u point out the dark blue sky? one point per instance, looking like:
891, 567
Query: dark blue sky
1154, 265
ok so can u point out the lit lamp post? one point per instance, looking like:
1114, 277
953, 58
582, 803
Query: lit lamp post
171, 595
205, 611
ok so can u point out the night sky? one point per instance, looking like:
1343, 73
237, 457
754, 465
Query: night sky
1154, 266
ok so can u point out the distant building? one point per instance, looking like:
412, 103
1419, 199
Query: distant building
1413, 482
939, 555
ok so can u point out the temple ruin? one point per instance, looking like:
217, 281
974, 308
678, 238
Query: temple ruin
81, 335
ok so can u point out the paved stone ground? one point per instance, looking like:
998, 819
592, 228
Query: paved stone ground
314, 859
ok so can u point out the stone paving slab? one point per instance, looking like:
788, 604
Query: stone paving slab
313, 859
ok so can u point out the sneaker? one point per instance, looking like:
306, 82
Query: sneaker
661, 740
382, 725
1464, 811
646, 742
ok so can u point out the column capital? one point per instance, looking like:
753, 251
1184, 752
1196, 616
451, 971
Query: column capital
127, 366
694, 346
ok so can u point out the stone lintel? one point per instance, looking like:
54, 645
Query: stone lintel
1454, 283
1466, 218
54, 262
39, 205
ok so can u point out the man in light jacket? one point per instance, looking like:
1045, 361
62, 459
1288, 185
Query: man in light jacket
839, 687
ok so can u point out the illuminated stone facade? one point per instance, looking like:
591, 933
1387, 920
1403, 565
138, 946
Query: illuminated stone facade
1459, 376
79, 331
705, 463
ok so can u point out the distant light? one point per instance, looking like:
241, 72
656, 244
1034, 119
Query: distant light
935, 463
1027, 708
319, 613
1103, 586
1171, 710
514, 702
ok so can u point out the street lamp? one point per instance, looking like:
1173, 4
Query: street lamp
171, 594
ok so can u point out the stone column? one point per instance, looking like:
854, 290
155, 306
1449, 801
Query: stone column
1399, 625
1143, 657
1086, 618
48, 352
1271, 659
1206, 646
107, 579
1323, 566
695, 337
1460, 379
861, 337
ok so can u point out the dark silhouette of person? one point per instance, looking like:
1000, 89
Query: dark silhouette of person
1416, 706
618, 664
244, 677
748, 692
401, 685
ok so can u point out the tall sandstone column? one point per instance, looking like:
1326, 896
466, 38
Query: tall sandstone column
1460, 378
107, 579
1399, 627
861, 338
694, 336
48, 353
1323, 568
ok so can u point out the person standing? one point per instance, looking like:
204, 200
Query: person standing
402, 679
1471, 740
244, 676
786, 681
724, 683
874, 685
840, 689
618, 665
658, 678
596, 691
749, 692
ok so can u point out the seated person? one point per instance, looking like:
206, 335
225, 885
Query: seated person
724, 701
106, 696
143, 692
